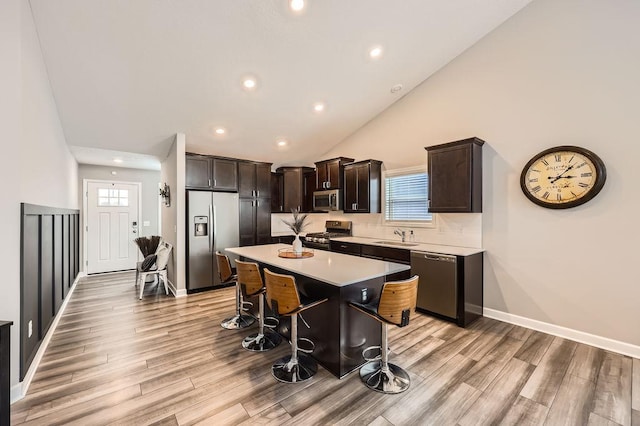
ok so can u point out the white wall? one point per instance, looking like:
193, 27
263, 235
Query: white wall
172, 171
558, 72
35, 165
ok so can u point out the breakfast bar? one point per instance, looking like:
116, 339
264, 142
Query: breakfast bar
339, 332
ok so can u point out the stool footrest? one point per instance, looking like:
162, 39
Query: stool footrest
271, 322
306, 341
368, 357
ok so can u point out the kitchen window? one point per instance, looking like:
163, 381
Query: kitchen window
406, 197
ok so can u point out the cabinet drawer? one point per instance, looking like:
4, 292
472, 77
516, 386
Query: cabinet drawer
389, 254
347, 248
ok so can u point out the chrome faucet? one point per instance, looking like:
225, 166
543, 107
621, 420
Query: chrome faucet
400, 233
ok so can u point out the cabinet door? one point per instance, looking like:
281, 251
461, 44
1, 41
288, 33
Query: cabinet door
246, 179
309, 186
333, 173
292, 189
350, 189
263, 180
197, 172
247, 222
322, 176
450, 179
263, 221
277, 193
362, 173
225, 174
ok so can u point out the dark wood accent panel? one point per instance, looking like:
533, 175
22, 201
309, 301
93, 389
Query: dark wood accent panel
29, 291
46, 273
66, 263
58, 263
455, 176
5, 372
48, 264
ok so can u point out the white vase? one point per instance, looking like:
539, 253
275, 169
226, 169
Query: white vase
297, 245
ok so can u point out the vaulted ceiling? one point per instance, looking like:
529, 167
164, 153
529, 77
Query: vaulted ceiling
127, 75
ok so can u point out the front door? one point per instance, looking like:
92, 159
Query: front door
112, 225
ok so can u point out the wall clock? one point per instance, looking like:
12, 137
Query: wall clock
563, 177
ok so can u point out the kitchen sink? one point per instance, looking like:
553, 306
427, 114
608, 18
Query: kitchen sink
396, 243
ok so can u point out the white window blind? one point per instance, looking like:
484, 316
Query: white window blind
406, 197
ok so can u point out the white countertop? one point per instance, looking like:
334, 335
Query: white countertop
434, 248
333, 268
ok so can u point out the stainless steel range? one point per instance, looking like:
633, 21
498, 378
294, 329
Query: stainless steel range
333, 229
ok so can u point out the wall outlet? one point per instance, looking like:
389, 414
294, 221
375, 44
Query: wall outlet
30, 328
146, 223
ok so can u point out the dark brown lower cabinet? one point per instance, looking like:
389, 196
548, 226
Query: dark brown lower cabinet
255, 221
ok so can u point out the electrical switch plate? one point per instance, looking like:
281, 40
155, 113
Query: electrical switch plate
146, 223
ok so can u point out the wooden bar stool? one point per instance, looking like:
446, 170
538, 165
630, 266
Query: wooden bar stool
239, 320
396, 304
250, 282
284, 299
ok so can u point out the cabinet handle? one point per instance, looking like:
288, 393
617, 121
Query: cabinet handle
208, 182
328, 184
258, 203
214, 183
257, 193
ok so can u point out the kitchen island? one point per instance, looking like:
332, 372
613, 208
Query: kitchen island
339, 332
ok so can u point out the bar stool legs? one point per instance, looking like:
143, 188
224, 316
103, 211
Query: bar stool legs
239, 320
261, 341
381, 375
296, 367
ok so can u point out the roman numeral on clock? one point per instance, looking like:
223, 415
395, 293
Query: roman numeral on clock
586, 174
546, 195
583, 185
545, 162
558, 158
536, 188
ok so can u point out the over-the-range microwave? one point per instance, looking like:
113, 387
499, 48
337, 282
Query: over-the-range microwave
326, 201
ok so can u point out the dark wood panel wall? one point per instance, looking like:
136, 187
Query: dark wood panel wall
49, 263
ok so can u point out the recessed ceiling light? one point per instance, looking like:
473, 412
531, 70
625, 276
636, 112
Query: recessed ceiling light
396, 88
282, 142
296, 5
319, 106
113, 172
117, 160
375, 52
220, 131
249, 83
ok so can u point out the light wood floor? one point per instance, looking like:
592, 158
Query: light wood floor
117, 360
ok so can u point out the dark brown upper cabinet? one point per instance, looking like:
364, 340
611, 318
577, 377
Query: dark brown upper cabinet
294, 187
277, 192
329, 173
362, 187
254, 179
211, 173
455, 176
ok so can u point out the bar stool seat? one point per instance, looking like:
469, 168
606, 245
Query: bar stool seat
284, 299
251, 284
396, 304
239, 320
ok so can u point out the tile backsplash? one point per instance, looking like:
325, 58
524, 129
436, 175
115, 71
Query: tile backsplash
452, 229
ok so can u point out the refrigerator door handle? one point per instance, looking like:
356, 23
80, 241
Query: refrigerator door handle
210, 228
215, 228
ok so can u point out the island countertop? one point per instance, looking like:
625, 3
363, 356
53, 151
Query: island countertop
333, 268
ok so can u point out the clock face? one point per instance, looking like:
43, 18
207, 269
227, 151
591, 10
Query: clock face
563, 177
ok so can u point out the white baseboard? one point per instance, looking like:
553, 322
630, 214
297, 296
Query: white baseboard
19, 390
175, 291
567, 333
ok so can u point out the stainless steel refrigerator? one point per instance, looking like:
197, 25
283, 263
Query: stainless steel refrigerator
212, 224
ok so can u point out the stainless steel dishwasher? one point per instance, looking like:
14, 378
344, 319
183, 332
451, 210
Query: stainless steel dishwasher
437, 287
